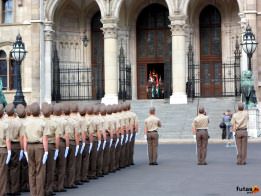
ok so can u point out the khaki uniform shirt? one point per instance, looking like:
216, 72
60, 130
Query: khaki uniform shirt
3, 133
54, 128
152, 123
103, 124
90, 126
240, 119
96, 124
70, 126
61, 123
200, 122
111, 123
117, 121
14, 128
34, 128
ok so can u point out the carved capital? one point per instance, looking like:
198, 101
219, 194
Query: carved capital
178, 25
110, 28
48, 31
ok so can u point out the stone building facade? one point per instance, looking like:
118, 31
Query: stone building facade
155, 36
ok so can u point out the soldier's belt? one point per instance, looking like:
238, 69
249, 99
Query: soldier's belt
202, 129
242, 129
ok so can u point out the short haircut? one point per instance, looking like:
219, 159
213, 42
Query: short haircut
152, 110
201, 110
240, 106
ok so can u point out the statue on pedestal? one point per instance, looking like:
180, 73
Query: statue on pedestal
2, 96
248, 90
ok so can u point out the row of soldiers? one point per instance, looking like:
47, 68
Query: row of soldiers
63, 145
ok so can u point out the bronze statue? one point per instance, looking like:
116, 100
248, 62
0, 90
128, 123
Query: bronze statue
2, 96
248, 90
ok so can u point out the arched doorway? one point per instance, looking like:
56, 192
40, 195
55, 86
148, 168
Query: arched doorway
153, 53
97, 56
210, 52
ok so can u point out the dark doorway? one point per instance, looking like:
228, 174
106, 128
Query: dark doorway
153, 49
155, 78
210, 52
97, 57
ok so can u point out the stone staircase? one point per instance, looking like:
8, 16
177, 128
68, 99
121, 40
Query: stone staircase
176, 119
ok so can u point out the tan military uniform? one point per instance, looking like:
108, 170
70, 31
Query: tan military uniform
14, 134
3, 156
34, 129
134, 124
61, 161
55, 131
200, 124
239, 121
152, 123
93, 155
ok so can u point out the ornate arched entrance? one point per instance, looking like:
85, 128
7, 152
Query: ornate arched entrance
153, 53
210, 52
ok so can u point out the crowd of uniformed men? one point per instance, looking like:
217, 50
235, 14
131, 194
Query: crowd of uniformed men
63, 145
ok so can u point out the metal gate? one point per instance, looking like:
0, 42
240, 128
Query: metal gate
75, 81
230, 77
124, 77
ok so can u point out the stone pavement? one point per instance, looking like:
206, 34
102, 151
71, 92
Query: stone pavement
178, 175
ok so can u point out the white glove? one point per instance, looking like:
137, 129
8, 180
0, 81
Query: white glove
131, 136
45, 157
66, 152
127, 138
99, 144
104, 144
122, 137
82, 148
21, 155
76, 150
117, 141
145, 137
194, 137
8, 157
56, 154
26, 156
111, 142
90, 148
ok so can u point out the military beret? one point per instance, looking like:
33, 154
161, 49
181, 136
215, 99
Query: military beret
9, 109
20, 110
35, 109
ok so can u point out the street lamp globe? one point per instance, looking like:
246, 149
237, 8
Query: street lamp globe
85, 40
249, 44
18, 52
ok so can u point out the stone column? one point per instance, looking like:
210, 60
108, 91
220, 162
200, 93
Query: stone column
110, 29
46, 75
178, 60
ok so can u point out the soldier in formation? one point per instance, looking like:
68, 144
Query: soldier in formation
61, 146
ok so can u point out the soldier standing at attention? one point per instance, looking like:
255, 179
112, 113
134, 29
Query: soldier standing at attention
152, 123
200, 128
36, 150
14, 136
53, 143
3, 152
239, 123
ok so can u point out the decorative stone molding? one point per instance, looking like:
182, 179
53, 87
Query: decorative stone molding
48, 31
110, 28
178, 25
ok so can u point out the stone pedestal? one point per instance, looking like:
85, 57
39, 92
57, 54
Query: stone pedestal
253, 124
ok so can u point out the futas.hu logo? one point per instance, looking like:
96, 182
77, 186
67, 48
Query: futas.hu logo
249, 190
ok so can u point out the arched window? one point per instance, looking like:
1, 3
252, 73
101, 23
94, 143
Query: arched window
8, 71
7, 11
3, 69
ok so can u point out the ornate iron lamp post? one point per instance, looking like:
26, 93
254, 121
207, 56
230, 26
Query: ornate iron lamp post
249, 45
18, 53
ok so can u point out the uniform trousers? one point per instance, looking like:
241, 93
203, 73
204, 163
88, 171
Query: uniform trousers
60, 167
241, 141
93, 159
78, 165
36, 169
24, 177
202, 145
3, 171
100, 160
85, 162
106, 157
122, 152
70, 166
127, 149
50, 169
14, 169
132, 142
112, 166
152, 139
117, 154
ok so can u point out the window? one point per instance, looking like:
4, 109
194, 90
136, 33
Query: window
7, 11
7, 72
